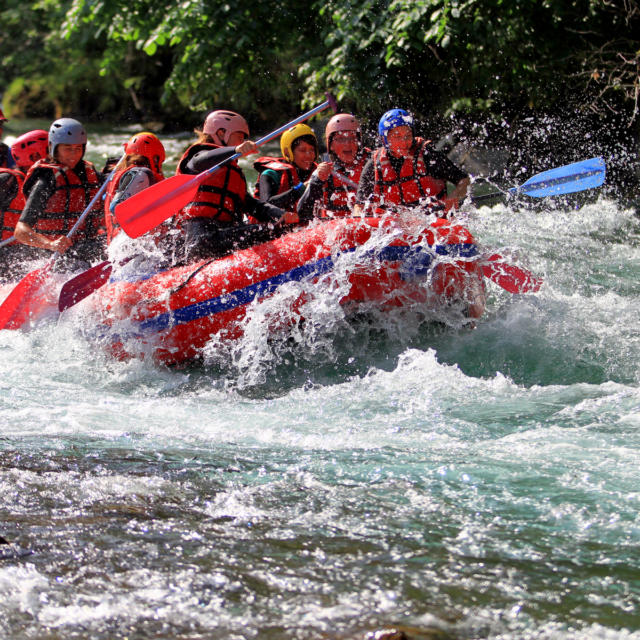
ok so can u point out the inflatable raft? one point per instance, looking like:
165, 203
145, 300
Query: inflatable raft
172, 314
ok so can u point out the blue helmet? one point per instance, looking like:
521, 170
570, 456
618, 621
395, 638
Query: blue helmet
392, 119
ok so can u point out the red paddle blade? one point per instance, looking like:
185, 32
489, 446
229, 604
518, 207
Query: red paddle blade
150, 207
24, 300
510, 277
83, 285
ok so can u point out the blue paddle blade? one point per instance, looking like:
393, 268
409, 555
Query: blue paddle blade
587, 174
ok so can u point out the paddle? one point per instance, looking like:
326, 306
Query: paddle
578, 176
508, 276
4, 243
84, 285
148, 208
15, 310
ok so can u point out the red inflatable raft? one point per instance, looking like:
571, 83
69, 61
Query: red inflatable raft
172, 314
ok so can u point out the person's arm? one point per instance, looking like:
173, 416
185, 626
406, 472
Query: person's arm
460, 190
440, 167
263, 211
132, 182
312, 194
8, 190
25, 232
269, 185
366, 184
208, 158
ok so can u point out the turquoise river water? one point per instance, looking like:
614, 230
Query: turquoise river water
364, 473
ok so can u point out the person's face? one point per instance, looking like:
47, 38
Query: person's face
399, 140
236, 138
69, 154
344, 144
304, 155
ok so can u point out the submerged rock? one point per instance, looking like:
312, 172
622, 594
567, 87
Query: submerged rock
9, 550
408, 633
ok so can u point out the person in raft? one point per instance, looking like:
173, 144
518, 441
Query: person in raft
26, 150
327, 192
407, 170
140, 168
6, 159
58, 189
213, 224
282, 180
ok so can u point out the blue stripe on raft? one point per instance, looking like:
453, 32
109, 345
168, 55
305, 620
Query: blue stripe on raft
234, 299
416, 261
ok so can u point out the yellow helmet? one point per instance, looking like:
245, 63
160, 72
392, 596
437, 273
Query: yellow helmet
291, 135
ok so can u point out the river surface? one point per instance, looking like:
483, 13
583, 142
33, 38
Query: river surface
371, 472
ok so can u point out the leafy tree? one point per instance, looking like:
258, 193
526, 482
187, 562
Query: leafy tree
138, 58
215, 54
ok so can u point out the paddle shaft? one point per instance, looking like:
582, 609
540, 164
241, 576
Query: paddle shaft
4, 243
197, 179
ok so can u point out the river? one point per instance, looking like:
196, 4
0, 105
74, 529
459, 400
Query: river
374, 472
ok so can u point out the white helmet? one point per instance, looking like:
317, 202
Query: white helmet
228, 121
66, 131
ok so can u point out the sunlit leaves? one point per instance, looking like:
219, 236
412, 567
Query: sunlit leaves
267, 57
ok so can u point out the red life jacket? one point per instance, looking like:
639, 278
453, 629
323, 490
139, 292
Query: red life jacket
68, 201
111, 222
10, 216
412, 183
335, 196
221, 196
286, 170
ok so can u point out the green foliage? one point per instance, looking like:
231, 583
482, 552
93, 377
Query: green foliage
214, 53
446, 55
138, 58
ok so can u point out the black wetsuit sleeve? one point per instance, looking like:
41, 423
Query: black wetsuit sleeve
208, 158
366, 184
269, 193
8, 190
262, 211
440, 167
268, 185
38, 197
312, 194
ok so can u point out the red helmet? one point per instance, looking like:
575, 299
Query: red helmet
147, 145
341, 122
228, 121
30, 147
2, 118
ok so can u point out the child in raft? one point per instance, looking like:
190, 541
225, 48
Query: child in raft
58, 189
332, 186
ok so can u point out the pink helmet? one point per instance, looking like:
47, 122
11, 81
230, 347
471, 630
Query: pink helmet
30, 147
341, 122
228, 121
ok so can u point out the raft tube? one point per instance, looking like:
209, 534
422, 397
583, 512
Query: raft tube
172, 314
